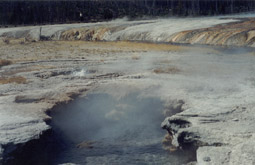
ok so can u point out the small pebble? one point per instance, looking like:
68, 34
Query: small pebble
207, 159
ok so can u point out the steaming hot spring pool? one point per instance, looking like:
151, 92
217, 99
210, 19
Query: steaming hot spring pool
101, 129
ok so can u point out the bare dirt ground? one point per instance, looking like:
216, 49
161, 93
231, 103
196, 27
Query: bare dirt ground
212, 90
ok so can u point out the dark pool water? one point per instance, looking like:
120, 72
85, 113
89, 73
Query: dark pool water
100, 129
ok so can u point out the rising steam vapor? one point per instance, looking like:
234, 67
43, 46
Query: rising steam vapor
101, 116
113, 130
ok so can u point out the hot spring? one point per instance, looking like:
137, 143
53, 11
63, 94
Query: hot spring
102, 129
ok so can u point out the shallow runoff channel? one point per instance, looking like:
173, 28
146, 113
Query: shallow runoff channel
101, 129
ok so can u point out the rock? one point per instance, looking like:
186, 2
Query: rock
213, 155
207, 159
220, 142
86, 144
243, 153
241, 34
235, 119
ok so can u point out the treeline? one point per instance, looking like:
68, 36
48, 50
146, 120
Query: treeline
21, 12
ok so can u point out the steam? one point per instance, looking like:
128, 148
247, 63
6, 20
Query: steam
80, 73
119, 20
101, 117
105, 129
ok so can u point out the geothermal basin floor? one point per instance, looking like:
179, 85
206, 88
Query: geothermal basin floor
208, 88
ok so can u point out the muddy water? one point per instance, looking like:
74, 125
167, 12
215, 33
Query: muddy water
100, 129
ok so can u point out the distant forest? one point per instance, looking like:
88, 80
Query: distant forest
51, 12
